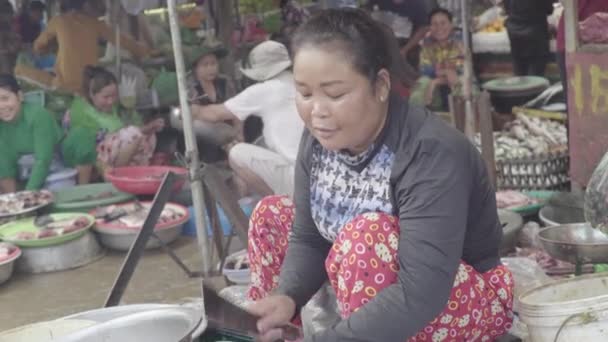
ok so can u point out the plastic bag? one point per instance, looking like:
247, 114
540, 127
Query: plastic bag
527, 274
596, 197
321, 312
528, 237
593, 29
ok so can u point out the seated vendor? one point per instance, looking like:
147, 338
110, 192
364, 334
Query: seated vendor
28, 129
206, 87
393, 207
118, 135
441, 60
77, 34
264, 169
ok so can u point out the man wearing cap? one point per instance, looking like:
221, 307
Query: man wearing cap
270, 169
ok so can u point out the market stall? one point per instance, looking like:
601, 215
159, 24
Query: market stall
491, 47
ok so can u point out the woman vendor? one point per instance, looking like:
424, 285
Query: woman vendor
206, 86
29, 129
392, 202
119, 136
441, 59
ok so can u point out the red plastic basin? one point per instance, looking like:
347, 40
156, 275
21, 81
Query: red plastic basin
144, 180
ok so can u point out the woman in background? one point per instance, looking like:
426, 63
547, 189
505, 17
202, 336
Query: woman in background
29, 129
441, 59
120, 137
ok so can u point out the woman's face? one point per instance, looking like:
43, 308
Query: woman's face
341, 108
441, 27
105, 99
10, 105
207, 68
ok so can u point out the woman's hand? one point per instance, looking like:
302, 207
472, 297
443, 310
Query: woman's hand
154, 126
274, 312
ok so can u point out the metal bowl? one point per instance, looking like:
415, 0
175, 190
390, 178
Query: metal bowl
575, 243
554, 216
121, 240
79, 252
142, 322
511, 225
7, 266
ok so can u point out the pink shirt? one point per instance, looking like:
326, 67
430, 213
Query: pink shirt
586, 8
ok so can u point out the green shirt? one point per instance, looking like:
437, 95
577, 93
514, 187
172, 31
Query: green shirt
33, 131
84, 115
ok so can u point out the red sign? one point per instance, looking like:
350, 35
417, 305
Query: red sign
588, 113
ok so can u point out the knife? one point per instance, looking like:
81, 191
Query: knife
225, 315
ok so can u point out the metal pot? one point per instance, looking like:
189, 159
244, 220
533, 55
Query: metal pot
121, 240
575, 243
72, 254
144, 322
7, 266
554, 216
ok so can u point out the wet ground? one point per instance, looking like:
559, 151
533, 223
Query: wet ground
28, 298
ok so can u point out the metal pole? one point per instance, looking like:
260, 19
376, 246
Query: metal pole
196, 184
467, 87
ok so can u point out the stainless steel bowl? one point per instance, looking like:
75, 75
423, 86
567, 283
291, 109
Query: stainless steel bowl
142, 322
72, 254
575, 243
121, 240
7, 266
554, 216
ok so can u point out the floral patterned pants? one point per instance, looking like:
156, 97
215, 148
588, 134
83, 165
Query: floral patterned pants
112, 144
363, 261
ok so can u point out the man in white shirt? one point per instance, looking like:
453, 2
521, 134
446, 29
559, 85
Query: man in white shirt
269, 169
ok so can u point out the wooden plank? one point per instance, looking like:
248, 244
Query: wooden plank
484, 109
228, 202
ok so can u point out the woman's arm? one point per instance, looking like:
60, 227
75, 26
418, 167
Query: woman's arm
45, 140
432, 199
212, 113
43, 42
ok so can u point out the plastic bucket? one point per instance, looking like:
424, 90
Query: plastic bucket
567, 310
65, 178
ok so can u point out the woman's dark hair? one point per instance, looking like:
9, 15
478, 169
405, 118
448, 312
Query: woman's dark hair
371, 46
443, 11
95, 79
9, 82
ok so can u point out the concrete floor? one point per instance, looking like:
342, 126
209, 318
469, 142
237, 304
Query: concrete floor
29, 298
